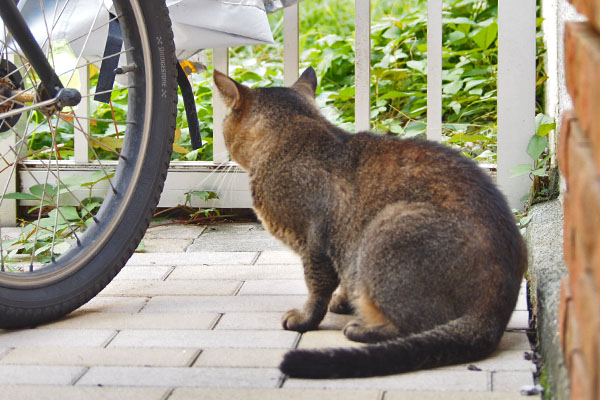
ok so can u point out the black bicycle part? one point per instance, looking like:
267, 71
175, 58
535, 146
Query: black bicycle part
190, 107
28, 298
10, 81
106, 77
17, 26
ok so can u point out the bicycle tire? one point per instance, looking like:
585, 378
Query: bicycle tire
29, 298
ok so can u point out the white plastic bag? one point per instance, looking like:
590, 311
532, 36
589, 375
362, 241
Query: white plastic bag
197, 24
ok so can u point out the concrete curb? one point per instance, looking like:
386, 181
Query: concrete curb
546, 270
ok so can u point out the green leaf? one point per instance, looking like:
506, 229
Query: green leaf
420, 66
62, 247
537, 145
539, 172
520, 170
397, 129
452, 87
486, 36
20, 196
38, 190
544, 124
66, 212
460, 138
204, 195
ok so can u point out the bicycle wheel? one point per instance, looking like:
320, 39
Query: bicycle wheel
81, 221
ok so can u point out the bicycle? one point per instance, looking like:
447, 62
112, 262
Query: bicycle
76, 242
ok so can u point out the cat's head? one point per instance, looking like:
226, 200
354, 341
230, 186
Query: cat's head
259, 117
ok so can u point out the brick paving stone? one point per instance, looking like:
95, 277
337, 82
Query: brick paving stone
174, 232
133, 288
510, 381
273, 287
235, 237
250, 320
322, 339
182, 377
4, 351
508, 360
452, 396
514, 341
155, 272
430, 380
38, 375
165, 245
56, 337
244, 358
238, 272
222, 304
114, 304
272, 321
48, 392
197, 258
204, 339
274, 394
122, 321
90, 356
522, 301
519, 320
278, 257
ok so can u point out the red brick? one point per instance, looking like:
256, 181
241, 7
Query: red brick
563, 310
587, 311
582, 67
581, 205
597, 367
563, 140
571, 61
571, 344
595, 265
570, 232
581, 382
588, 219
589, 8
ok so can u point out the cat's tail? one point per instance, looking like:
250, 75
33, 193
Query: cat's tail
456, 342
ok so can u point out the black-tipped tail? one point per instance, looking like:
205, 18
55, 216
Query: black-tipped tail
453, 343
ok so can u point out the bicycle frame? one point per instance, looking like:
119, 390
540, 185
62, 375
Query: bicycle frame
16, 25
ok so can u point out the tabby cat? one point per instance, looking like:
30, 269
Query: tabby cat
421, 243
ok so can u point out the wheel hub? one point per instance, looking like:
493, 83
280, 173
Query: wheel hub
11, 83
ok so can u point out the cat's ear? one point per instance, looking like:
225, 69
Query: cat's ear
232, 92
307, 83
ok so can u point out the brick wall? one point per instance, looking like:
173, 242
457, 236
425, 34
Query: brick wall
579, 159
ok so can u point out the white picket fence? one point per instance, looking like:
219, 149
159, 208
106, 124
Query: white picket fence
516, 105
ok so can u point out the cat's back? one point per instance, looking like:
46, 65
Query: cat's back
418, 170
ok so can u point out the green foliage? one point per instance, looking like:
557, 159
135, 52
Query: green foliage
398, 67
52, 234
398, 75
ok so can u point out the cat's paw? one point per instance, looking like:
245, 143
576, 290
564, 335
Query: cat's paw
340, 305
353, 330
296, 320
358, 332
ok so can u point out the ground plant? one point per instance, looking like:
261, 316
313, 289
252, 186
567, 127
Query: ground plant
398, 76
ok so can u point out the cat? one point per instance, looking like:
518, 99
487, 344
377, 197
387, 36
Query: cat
419, 240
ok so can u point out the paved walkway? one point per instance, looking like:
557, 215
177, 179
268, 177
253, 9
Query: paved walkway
197, 316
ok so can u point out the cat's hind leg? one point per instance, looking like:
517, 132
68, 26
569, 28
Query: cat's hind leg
371, 326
